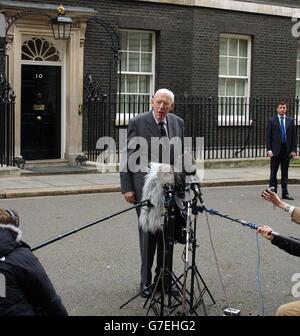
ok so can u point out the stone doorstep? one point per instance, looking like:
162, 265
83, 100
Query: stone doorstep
46, 163
9, 172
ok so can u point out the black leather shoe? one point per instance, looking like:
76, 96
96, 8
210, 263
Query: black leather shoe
287, 197
174, 290
146, 291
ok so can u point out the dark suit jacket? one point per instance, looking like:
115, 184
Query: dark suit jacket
144, 125
273, 135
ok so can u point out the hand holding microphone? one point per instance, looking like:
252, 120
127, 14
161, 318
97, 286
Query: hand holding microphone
266, 232
130, 197
272, 197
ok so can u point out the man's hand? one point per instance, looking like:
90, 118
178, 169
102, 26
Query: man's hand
293, 155
130, 197
270, 154
266, 232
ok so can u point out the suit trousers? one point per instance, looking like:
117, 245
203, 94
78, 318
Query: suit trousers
283, 159
149, 242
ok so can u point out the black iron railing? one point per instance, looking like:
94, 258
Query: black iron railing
230, 127
7, 124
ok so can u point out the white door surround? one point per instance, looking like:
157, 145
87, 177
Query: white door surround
71, 62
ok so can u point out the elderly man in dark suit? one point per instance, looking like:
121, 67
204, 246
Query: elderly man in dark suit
281, 147
152, 127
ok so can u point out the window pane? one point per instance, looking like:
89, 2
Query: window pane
242, 67
132, 84
144, 84
223, 66
232, 70
124, 61
298, 69
123, 40
134, 41
123, 88
146, 64
298, 89
223, 46
222, 87
298, 52
134, 59
243, 48
230, 87
240, 107
120, 107
240, 88
233, 45
146, 42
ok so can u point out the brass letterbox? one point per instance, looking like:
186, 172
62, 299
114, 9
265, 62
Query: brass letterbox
38, 107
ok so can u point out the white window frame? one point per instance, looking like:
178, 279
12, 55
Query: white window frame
122, 119
233, 119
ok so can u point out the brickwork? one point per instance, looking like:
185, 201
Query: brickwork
187, 45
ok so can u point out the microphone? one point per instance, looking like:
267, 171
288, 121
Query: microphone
159, 190
288, 239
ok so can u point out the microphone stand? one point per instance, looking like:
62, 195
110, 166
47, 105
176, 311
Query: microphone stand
166, 278
195, 274
188, 208
66, 234
250, 225
191, 240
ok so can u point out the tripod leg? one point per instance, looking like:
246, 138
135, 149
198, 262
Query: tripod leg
205, 286
200, 298
138, 294
153, 301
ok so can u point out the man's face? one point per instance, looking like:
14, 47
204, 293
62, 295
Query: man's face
281, 109
161, 105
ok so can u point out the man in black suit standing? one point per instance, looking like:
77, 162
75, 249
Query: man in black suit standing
157, 125
281, 147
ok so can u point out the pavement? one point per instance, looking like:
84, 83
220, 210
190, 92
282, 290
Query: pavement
68, 183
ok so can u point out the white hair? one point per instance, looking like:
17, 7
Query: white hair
167, 92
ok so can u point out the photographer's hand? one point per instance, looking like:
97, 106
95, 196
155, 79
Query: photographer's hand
266, 232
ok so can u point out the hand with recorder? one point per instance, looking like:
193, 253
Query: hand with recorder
288, 244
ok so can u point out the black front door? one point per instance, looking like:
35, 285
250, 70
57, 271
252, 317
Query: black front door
40, 112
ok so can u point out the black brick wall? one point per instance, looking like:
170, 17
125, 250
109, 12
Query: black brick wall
188, 45
273, 60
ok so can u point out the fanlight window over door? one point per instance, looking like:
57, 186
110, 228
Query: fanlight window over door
39, 49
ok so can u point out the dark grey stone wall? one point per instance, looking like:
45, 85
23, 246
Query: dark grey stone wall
188, 44
273, 56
